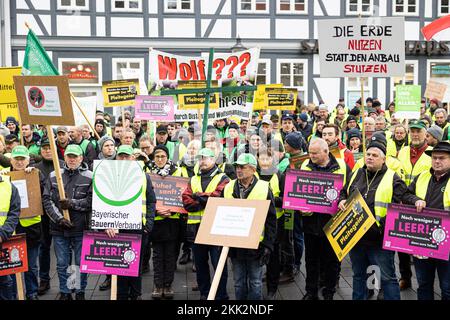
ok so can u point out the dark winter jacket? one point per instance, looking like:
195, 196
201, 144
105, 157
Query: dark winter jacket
12, 218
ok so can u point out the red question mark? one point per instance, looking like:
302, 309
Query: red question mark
219, 64
245, 60
233, 61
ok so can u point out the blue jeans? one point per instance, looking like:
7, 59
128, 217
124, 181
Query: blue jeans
247, 279
362, 257
299, 241
202, 253
425, 272
63, 251
6, 288
31, 276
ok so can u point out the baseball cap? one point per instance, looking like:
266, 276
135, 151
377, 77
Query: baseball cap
73, 149
161, 129
62, 129
206, 152
246, 158
417, 124
20, 151
125, 149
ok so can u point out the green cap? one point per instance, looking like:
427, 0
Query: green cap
20, 151
418, 124
206, 152
246, 158
73, 149
125, 149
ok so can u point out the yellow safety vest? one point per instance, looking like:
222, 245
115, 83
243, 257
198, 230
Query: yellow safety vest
259, 192
5, 193
274, 183
422, 188
196, 186
383, 195
177, 173
27, 222
342, 168
391, 162
391, 148
410, 171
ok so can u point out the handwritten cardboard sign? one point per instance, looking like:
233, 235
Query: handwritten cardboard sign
168, 191
29, 188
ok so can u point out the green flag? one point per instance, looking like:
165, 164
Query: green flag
36, 61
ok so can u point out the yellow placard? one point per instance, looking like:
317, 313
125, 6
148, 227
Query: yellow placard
120, 93
196, 100
347, 227
8, 98
280, 99
260, 93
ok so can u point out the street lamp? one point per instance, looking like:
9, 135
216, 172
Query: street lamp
238, 46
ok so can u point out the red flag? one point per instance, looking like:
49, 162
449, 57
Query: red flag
436, 26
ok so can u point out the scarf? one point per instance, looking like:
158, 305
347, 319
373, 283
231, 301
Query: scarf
165, 171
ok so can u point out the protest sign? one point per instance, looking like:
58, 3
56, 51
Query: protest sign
435, 90
13, 255
281, 99
117, 196
44, 100
424, 234
347, 227
196, 100
168, 191
230, 69
260, 95
120, 93
366, 47
115, 256
8, 98
128, 73
408, 101
296, 161
312, 191
29, 188
233, 223
154, 108
89, 105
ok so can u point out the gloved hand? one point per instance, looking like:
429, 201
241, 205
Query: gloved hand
65, 204
265, 257
65, 224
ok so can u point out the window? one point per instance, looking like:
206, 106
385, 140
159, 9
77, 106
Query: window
353, 90
126, 6
405, 7
253, 6
263, 73
118, 64
293, 73
443, 7
178, 6
292, 6
363, 7
411, 76
73, 4
81, 72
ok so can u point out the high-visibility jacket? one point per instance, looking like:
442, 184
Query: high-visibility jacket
392, 163
259, 192
342, 167
422, 188
410, 171
391, 148
5, 194
196, 186
383, 194
274, 184
177, 173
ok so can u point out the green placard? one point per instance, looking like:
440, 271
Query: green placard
408, 101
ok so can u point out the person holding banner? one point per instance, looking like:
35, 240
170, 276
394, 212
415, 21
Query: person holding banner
432, 189
9, 218
319, 255
32, 226
379, 187
247, 263
68, 235
208, 182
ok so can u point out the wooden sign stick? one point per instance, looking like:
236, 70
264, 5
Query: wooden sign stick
62, 193
218, 273
114, 288
363, 118
85, 116
19, 283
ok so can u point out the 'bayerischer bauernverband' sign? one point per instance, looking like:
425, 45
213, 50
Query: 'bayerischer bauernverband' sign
362, 47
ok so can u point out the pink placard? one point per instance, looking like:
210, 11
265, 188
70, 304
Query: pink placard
118, 256
423, 234
155, 108
312, 191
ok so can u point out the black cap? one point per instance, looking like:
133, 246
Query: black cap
161, 129
353, 133
379, 141
10, 138
233, 126
45, 142
163, 148
287, 117
351, 118
443, 146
